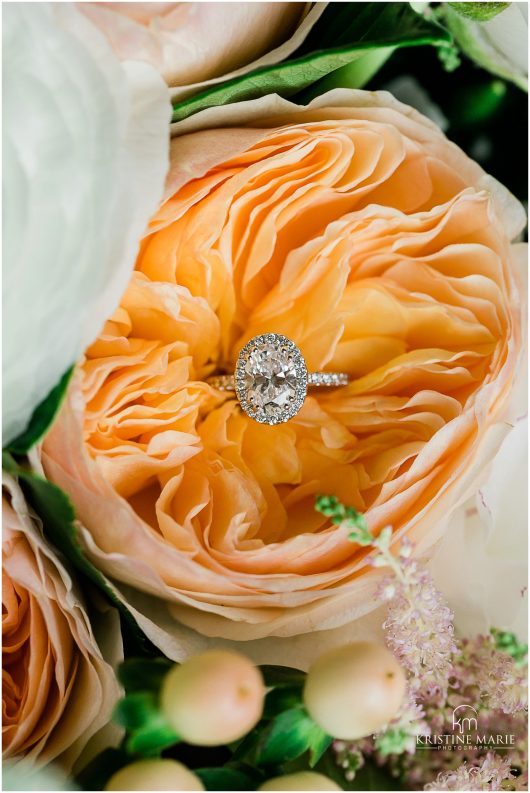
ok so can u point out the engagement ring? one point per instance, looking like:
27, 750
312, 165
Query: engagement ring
271, 379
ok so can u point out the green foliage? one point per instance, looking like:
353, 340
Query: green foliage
474, 106
290, 734
449, 57
143, 674
42, 417
392, 741
286, 731
480, 11
278, 676
344, 34
345, 516
148, 733
286, 686
135, 710
509, 643
97, 773
229, 778
281, 699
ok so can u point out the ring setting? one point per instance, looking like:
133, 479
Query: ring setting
271, 379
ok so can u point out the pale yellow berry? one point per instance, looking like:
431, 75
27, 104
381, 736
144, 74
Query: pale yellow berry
353, 691
213, 698
303, 780
154, 775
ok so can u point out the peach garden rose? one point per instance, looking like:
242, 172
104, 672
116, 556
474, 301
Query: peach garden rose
355, 228
57, 689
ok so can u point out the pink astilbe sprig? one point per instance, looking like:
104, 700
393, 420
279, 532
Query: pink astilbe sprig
501, 683
489, 775
419, 624
493, 683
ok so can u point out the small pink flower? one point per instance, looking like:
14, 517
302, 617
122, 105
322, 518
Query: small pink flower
489, 775
419, 627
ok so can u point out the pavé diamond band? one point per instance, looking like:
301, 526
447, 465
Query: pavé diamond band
227, 382
271, 379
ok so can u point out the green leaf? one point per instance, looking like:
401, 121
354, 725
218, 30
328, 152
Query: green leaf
479, 12
508, 642
58, 517
282, 676
150, 741
280, 699
97, 773
341, 515
286, 686
42, 417
288, 736
143, 674
344, 33
476, 105
148, 731
354, 75
394, 740
136, 710
226, 778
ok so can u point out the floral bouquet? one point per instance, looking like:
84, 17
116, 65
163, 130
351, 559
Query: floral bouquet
264, 435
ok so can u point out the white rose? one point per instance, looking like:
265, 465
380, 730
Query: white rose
85, 156
481, 566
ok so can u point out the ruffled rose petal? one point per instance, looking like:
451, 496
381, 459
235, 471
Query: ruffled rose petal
58, 692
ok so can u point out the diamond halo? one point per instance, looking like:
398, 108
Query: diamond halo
271, 378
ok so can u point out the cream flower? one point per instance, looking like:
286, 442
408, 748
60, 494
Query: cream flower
481, 565
499, 44
194, 45
85, 156
57, 689
355, 228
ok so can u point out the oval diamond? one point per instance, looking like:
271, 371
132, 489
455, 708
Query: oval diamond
271, 378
